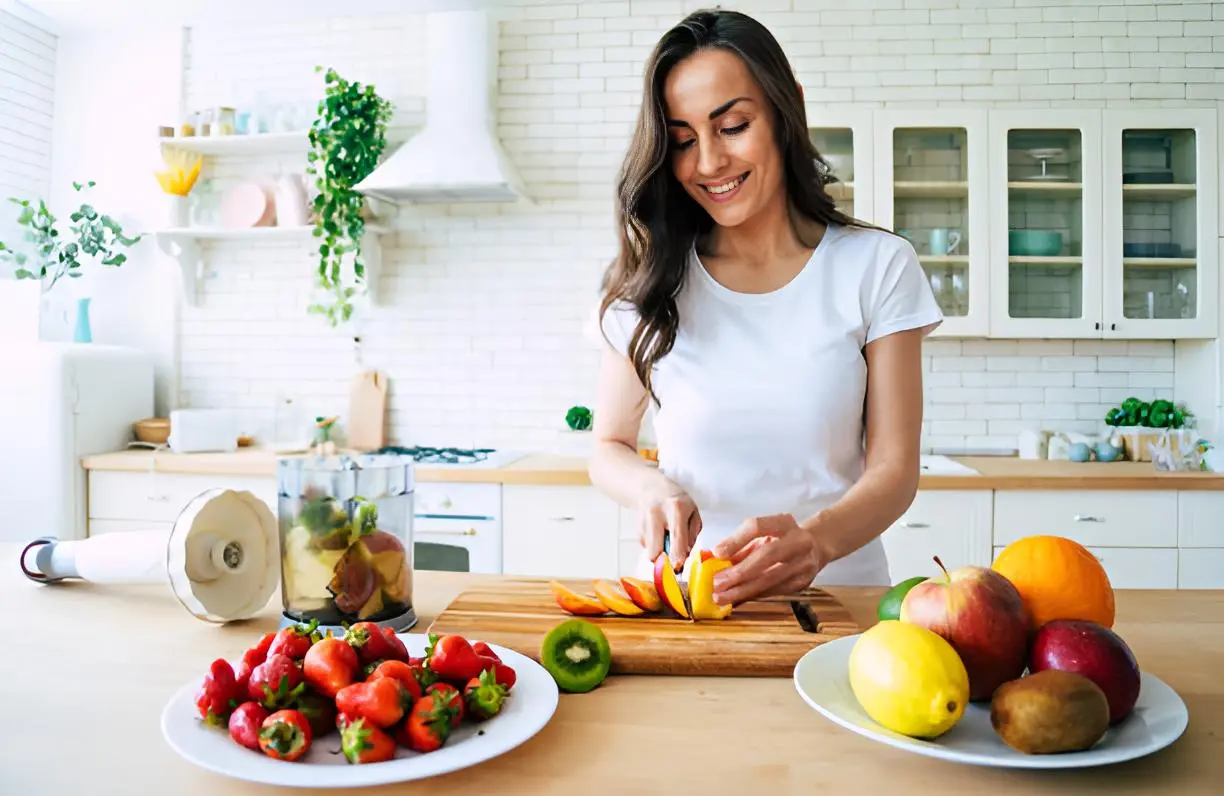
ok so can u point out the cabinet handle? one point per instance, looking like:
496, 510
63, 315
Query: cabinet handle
468, 532
914, 524
562, 519
1087, 518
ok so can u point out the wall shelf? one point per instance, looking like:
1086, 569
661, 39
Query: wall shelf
186, 245
254, 144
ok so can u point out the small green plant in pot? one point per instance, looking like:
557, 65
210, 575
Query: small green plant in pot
347, 139
56, 250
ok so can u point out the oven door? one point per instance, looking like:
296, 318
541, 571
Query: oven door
456, 544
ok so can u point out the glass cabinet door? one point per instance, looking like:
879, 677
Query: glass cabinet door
844, 141
1045, 192
935, 197
1162, 235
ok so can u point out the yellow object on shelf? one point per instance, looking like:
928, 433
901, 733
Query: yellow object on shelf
183, 171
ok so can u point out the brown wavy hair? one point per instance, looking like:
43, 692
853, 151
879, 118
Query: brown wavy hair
658, 220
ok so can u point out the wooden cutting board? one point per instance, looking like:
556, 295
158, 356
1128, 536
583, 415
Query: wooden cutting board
367, 410
760, 639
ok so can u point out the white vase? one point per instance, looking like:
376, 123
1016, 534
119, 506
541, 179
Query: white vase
292, 209
180, 211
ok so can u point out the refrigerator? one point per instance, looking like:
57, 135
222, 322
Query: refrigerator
58, 403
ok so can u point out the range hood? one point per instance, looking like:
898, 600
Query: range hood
456, 157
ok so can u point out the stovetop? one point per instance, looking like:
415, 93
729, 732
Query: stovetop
454, 457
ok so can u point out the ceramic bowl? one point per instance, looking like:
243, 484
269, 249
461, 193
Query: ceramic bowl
1034, 243
154, 430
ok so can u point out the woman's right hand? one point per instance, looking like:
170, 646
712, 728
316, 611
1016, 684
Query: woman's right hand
672, 513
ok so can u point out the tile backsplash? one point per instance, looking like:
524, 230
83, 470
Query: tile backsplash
481, 325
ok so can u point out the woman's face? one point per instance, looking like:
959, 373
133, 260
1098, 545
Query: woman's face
723, 149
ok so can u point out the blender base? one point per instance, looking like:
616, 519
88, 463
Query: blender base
400, 624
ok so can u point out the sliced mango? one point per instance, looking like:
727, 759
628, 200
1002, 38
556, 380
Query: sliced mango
701, 587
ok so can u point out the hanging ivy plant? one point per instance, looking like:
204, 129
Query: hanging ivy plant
347, 139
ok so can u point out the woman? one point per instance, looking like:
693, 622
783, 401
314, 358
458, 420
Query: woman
779, 339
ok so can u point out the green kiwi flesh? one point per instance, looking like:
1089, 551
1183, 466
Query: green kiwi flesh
577, 654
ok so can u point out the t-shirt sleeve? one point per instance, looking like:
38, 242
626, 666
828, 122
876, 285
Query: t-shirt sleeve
617, 326
901, 297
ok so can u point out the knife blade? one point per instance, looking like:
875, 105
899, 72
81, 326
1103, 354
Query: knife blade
684, 596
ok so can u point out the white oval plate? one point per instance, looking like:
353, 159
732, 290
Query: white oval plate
822, 679
531, 705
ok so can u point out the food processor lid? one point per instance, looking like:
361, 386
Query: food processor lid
223, 555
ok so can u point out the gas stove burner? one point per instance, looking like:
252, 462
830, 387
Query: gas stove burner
427, 455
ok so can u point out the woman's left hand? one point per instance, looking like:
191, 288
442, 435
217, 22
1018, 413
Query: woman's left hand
769, 555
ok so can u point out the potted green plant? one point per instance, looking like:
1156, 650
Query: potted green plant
1136, 424
347, 139
54, 250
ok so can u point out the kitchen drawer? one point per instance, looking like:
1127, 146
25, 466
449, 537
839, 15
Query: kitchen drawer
1200, 519
954, 525
632, 561
559, 531
160, 497
1105, 518
629, 524
99, 527
456, 499
1200, 568
1135, 567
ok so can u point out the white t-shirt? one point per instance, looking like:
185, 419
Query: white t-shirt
762, 395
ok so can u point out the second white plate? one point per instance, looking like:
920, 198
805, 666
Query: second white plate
822, 678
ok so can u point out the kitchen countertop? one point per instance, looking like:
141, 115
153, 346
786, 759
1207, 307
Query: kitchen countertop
993, 472
89, 668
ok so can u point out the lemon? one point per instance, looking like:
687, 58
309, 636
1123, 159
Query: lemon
909, 679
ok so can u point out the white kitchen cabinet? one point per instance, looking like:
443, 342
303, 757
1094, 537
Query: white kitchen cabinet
1135, 567
954, 525
931, 184
1200, 519
1104, 518
559, 531
123, 496
1200, 568
1049, 223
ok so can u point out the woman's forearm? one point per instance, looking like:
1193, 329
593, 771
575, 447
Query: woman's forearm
867, 509
621, 473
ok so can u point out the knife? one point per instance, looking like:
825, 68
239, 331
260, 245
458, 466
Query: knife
684, 596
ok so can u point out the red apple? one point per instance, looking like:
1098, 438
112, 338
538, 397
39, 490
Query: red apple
1094, 651
980, 613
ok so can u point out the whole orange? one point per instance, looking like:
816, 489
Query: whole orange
1058, 579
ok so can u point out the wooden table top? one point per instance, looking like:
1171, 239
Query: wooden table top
88, 669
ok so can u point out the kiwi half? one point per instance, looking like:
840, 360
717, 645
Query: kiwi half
577, 654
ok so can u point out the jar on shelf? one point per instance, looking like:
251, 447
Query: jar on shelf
223, 121
346, 540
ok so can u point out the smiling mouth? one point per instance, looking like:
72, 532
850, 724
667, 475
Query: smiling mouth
724, 189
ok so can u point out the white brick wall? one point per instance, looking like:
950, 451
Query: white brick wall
27, 94
482, 329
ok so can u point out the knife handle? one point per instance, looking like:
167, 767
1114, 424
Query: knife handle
667, 543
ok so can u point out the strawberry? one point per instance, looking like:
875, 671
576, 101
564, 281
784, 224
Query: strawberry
276, 682
219, 694
368, 640
362, 742
452, 697
257, 653
244, 724
428, 725
295, 640
403, 673
453, 659
484, 696
285, 735
399, 651
330, 664
318, 710
484, 650
381, 702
